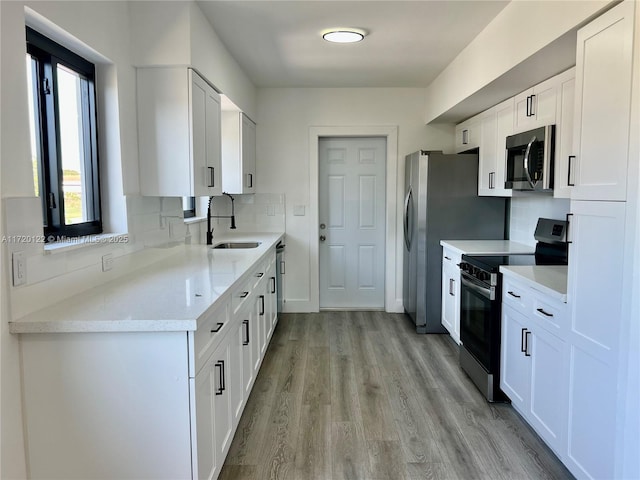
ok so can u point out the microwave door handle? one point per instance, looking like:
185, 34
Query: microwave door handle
526, 162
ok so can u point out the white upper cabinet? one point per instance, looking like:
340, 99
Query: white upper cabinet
496, 124
468, 134
238, 153
564, 132
604, 61
536, 107
178, 133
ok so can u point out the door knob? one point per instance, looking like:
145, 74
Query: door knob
323, 226
322, 238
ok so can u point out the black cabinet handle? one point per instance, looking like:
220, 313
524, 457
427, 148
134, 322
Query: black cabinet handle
273, 284
261, 305
568, 225
451, 288
533, 98
526, 344
571, 157
259, 275
523, 334
446, 258
528, 105
249, 180
220, 388
513, 294
212, 176
218, 327
244, 294
465, 137
546, 314
246, 331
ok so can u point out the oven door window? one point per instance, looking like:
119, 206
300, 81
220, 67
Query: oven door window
476, 323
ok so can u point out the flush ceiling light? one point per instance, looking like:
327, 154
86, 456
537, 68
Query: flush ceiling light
344, 35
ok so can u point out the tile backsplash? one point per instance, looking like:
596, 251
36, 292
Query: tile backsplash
525, 212
260, 212
155, 225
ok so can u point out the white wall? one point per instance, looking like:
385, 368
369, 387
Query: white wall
101, 31
284, 118
503, 45
187, 39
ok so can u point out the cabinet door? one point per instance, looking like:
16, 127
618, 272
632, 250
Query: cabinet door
265, 326
543, 103
248, 337
208, 462
495, 129
248, 155
603, 102
222, 409
235, 382
257, 332
487, 156
205, 137
523, 120
468, 134
595, 284
564, 135
548, 387
515, 375
451, 297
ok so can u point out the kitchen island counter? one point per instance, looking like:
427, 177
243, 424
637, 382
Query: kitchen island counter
169, 295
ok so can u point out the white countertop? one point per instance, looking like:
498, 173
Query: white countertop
169, 295
487, 247
548, 279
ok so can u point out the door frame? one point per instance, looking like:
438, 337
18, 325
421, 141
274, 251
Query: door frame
391, 301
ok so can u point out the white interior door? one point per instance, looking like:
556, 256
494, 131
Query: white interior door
352, 222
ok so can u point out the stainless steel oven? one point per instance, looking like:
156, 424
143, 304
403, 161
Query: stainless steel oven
480, 327
481, 303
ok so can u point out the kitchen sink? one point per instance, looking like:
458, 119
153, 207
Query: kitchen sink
237, 245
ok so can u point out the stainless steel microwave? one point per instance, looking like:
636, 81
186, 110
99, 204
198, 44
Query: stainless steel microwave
530, 160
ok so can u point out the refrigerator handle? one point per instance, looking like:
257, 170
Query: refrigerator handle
407, 237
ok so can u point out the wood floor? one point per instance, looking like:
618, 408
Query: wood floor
360, 395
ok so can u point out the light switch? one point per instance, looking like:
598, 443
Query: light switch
298, 210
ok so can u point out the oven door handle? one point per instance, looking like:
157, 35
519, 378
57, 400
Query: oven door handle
472, 284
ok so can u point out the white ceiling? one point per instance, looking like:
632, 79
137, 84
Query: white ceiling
279, 43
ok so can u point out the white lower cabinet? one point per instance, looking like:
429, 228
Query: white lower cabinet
533, 361
596, 251
450, 316
161, 405
214, 424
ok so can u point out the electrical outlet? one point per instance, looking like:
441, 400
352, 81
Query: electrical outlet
19, 268
107, 262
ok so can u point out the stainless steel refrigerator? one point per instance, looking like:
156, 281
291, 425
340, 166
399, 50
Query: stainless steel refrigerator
441, 203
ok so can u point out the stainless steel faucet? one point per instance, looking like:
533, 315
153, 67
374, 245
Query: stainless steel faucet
209, 217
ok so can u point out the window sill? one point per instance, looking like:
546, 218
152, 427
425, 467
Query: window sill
81, 242
191, 220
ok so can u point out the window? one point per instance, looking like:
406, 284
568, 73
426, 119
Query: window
64, 146
189, 206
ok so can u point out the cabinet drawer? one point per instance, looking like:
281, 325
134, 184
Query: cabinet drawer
516, 295
209, 333
551, 315
241, 294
